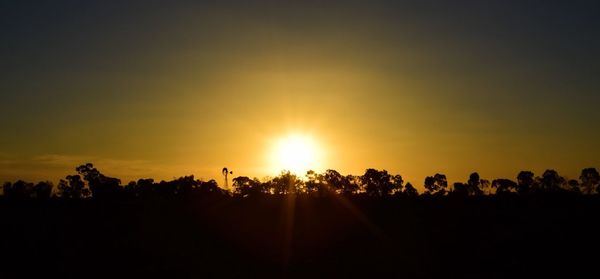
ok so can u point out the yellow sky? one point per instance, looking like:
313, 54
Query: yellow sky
178, 90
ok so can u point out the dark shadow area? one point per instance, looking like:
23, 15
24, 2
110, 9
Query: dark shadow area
345, 226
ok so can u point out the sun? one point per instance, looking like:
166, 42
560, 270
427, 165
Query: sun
295, 153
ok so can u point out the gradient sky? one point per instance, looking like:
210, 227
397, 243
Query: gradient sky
169, 88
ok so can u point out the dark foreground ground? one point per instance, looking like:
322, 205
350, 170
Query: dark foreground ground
296, 237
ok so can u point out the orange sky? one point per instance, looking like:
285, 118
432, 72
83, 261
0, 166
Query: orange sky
165, 91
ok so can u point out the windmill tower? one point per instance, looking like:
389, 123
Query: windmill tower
225, 172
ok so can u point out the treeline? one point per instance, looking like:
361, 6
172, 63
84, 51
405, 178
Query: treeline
89, 182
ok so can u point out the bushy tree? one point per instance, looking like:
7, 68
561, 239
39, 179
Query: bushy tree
436, 185
381, 183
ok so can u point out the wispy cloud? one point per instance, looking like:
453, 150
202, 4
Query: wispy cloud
56, 166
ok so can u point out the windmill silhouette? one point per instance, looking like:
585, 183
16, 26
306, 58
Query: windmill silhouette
225, 171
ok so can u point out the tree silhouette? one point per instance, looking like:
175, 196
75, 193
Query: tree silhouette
185, 186
100, 185
381, 183
90, 182
334, 181
376, 204
460, 189
504, 186
166, 189
268, 187
244, 186
315, 184
551, 181
590, 180
18, 190
287, 183
211, 187
7, 189
146, 187
72, 188
131, 190
574, 186
485, 186
474, 185
526, 182
410, 191
436, 185
352, 185
43, 190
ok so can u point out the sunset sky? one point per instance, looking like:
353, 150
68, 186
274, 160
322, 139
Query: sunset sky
169, 88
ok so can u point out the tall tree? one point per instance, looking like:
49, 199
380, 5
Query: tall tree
474, 185
100, 185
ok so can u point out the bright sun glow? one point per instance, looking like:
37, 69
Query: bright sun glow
296, 153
